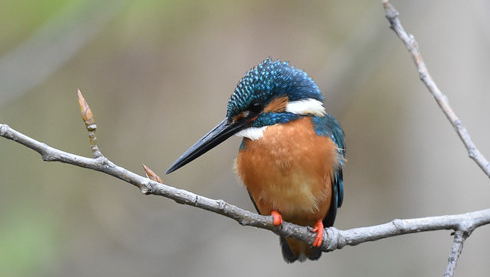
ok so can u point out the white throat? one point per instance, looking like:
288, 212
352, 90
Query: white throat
252, 133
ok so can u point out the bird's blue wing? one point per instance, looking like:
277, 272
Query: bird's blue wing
328, 126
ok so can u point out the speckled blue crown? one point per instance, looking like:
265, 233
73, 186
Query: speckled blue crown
268, 80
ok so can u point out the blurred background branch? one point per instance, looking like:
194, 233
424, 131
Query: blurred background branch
52, 44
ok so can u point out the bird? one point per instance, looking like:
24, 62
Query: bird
291, 157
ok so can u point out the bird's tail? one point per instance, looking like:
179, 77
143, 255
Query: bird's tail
293, 250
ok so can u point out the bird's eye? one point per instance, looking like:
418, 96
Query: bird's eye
251, 113
255, 108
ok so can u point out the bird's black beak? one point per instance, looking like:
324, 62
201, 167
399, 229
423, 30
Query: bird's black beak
216, 136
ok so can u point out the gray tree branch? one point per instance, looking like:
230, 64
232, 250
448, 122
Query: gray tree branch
459, 238
412, 46
441, 99
334, 238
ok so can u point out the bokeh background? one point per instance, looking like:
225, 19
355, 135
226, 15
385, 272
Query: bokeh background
158, 74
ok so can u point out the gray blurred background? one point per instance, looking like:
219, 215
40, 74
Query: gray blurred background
158, 75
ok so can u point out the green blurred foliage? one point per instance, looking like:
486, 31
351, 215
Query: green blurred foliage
19, 19
28, 242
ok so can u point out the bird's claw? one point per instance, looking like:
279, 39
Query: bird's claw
276, 218
318, 229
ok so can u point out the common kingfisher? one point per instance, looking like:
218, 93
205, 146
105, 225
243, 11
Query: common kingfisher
292, 153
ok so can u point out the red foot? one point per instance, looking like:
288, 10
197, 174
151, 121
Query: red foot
276, 218
318, 229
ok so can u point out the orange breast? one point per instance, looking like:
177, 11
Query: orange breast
289, 169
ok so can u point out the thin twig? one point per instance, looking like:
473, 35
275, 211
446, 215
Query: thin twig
459, 238
441, 99
461, 233
89, 120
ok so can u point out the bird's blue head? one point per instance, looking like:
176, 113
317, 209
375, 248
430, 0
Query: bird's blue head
270, 93
259, 92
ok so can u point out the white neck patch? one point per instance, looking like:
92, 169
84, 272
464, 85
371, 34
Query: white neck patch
252, 133
306, 106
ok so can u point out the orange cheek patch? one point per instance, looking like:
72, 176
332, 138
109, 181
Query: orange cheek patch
277, 105
238, 117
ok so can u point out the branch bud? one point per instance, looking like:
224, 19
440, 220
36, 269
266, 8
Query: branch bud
152, 175
86, 112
